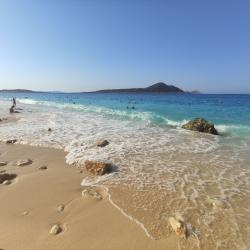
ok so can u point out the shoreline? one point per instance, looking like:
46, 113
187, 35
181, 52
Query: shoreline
39, 216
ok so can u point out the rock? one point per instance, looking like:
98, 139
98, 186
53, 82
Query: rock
26, 162
56, 229
201, 125
50, 129
3, 163
25, 213
60, 208
7, 182
178, 226
89, 192
43, 167
5, 177
102, 143
216, 203
98, 168
11, 141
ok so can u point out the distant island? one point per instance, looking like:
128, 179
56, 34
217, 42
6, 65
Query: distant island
159, 87
17, 91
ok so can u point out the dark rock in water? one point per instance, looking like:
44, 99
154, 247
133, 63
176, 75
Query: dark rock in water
6, 177
102, 143
11, 141
98, 168
201, 125
50, 129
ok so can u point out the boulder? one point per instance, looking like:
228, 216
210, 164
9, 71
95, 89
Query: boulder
25, 162
97, 167
5, 177
102, 143
11, 141
201, 125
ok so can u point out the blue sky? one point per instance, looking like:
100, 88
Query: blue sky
87, 45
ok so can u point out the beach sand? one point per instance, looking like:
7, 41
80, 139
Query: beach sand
29, 208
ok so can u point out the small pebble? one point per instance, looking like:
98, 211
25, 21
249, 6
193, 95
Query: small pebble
7, 182
3, 163
43, 168
25, 213
89, 192
56, 229
60, 208
26, 162
11, 141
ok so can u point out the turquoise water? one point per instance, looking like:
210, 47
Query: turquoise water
230, 113
161, 169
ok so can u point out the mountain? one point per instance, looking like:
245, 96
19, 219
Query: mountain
159, 87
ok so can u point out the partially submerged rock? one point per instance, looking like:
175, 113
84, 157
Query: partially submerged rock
201, 125
25, 162
12, 141
102, 143
97, 167
5, 177
49, 129
178, 226
3, 163
90, 192
56, 229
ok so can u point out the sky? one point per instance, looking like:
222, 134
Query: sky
88, 45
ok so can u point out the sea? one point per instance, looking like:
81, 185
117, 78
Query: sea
160, 169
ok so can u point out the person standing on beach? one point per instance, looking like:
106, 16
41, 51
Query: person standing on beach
13, 105
14, 101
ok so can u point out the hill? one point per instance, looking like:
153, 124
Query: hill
159, 87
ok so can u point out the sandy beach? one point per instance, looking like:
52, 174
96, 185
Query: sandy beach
29, 208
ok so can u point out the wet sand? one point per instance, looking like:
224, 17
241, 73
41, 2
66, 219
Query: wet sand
29, 208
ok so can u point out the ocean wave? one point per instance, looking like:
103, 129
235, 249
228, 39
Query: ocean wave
145, 116
27, 101
136, 115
